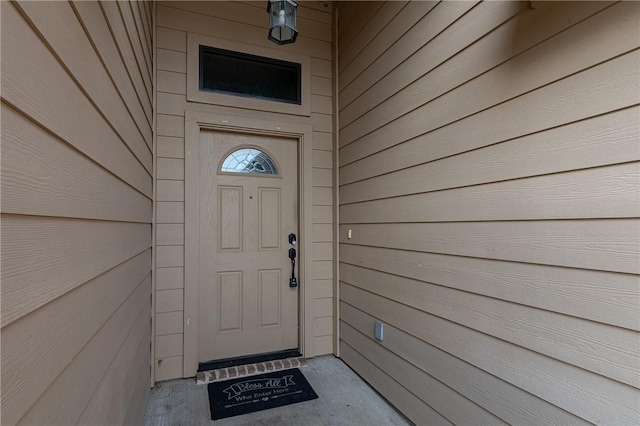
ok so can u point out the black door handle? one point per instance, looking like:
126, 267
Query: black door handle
293, 282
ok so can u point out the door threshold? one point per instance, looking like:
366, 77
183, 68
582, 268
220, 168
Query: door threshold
248, 359
246, 370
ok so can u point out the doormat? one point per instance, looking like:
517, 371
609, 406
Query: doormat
256, 393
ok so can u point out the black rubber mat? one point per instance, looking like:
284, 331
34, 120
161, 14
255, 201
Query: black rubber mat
256, 393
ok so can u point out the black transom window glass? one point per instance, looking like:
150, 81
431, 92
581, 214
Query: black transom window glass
249, 160
247, 75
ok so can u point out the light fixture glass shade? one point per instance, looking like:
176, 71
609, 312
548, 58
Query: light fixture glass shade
282, 17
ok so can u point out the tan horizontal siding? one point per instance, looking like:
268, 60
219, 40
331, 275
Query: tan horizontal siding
509, 403
168, 323
322, 215
598, 90
168, 368
606, 245
168, 345
323, 289
322, 232
169, 190
405, 401
570, 388
604, 192
574, 340
45, 257
25, 87
130, 50
366, 37
75, 51
40, 175
172, 82
323, 178
323, 345
375, 67
457, 409
135, 34
322, 104
97, 29
138, 401
169, 147
352, 19
323, 251
169, 256
167, 38
170, 60
247, 22
73, 390
169, 212
604, 297
169, 234
595, 139
489, 211
143, 29
121, 376
76, 212
56, 322
169, 278
170, 168
169, 301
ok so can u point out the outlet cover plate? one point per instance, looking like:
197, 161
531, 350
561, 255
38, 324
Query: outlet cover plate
379, 331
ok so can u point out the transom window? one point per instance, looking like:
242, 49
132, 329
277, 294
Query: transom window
242, 74
249, 160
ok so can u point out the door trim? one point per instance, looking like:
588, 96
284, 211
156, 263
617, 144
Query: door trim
195, 122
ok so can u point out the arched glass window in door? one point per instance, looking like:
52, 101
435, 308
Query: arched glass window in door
249, 160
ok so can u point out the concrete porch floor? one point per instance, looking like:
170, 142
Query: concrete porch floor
344, 399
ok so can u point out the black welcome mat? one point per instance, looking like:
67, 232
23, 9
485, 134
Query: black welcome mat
255, 393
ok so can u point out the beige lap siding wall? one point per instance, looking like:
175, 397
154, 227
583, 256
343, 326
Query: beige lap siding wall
76, 211
246, 23
489, 176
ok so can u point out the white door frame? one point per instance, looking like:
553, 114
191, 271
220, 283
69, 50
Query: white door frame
195, 121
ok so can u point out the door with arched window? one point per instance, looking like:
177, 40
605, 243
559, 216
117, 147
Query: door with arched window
248, 206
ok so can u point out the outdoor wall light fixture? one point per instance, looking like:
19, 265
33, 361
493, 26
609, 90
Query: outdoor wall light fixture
282, 16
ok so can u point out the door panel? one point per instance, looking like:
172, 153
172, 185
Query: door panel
230, 218
269, 219
269, 282
230, 301
245, 304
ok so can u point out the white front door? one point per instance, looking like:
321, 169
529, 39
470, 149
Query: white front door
248, 206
